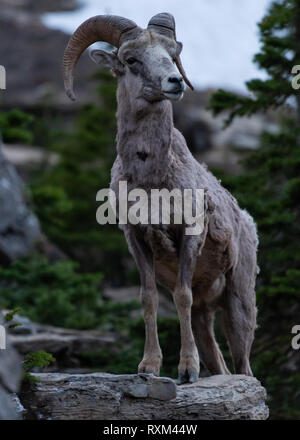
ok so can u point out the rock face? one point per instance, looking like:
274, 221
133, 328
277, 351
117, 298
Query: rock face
102, 396
10, 375
32, 55
41, 5
19, 228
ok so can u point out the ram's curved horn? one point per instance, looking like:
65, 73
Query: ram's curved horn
108, 28
182, 71
164, 24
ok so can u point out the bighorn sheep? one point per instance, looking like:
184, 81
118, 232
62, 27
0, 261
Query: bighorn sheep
205, 272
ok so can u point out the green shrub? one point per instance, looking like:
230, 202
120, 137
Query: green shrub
64, 195
52, 293
15, 127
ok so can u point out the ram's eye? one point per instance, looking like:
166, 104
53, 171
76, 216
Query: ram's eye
131, 60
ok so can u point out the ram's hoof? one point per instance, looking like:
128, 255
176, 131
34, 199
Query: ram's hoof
187, 377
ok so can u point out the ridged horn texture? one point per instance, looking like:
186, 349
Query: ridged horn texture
111, 29
164, 24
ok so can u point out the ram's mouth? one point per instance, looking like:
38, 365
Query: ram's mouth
174, 95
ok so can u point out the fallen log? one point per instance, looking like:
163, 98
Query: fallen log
68, 346
102, 396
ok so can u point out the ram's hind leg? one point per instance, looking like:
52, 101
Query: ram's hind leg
203, 329
239, 314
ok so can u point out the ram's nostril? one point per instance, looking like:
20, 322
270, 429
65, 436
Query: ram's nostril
175, 79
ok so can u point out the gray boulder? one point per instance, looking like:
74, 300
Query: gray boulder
10, 376
19, 227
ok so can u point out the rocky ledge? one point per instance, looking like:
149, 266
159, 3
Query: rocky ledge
102, 396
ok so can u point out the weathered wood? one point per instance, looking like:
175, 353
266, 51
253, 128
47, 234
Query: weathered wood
102, 396
55, 340
68, 346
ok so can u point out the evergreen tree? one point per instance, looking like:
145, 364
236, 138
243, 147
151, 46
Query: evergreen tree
270, 190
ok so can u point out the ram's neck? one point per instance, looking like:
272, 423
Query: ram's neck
144, 139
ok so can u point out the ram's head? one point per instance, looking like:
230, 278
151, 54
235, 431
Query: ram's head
148, 60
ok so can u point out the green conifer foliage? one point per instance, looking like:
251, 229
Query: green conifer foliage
269, 189
65, 195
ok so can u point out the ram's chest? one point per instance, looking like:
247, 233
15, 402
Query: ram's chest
212, 263
143, 167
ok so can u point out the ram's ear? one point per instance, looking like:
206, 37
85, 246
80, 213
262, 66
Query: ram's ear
179, 48
108, 59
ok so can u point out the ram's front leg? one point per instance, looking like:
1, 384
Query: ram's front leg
189, 365
152, 358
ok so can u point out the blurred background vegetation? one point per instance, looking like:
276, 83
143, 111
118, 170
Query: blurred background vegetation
66, 288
